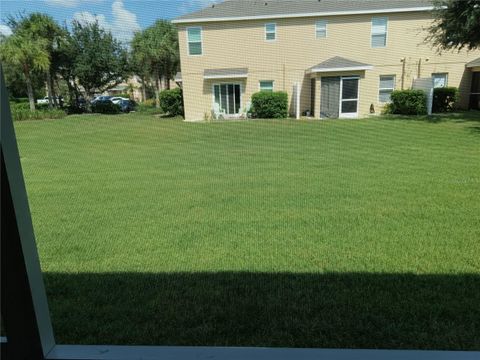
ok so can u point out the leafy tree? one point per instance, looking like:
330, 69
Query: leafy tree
15, 81
139, 61
156, 49
456, 25
44, 28
28, 54
100, 62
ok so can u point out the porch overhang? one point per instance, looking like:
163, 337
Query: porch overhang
474, 65
234, 73
339, 64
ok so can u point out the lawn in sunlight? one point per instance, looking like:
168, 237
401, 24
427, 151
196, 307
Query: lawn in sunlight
340, 233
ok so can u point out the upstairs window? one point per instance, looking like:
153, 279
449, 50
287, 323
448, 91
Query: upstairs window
194, 35
387, 85
321, 29
379, 32
271, 32
266, 85
440, 80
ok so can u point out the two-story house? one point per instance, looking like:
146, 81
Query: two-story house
346, 56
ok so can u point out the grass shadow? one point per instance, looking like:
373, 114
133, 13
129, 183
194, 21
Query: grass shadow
351, 310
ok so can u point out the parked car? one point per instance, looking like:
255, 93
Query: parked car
45, 100
101, 98
105, 107
127, 105
116, 100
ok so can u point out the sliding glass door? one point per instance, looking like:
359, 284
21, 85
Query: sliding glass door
339, 97
349, 97
227, 97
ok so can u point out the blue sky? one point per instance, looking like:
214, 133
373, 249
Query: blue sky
121, 17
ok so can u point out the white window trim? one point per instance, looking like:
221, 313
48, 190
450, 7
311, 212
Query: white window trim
260, 87
341, 114
316, 29
212, 77
188, 40
270, 32
228, 83
386, 32
380, 89
440, 73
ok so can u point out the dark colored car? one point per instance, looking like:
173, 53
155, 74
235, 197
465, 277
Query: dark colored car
101, 98
127, 105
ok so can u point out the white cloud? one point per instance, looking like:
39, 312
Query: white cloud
193, 5
69, 3
123, 25
5, 30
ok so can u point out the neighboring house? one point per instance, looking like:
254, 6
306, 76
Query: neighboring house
346, 56
133, 83
133, 87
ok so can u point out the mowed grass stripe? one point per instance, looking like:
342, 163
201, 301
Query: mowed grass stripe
213, 210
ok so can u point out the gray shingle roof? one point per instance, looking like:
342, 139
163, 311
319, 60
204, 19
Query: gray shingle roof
262, 9
338, 63
225, 73
474, 63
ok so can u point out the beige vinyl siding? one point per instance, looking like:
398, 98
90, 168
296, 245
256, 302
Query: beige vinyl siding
242, 44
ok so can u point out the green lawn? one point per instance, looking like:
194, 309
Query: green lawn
357, 233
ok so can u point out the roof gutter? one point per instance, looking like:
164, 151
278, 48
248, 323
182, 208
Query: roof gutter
300, 15
340, 69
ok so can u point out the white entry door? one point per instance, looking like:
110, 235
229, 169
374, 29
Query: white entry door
349, 97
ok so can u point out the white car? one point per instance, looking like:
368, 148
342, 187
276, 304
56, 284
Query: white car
43, 101
116, 100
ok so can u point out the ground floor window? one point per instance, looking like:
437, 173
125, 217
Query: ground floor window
440, 80
266, 85
227, 97
387, 85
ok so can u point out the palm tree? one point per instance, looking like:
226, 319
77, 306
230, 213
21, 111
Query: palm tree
156, 49
29, 55
40, 26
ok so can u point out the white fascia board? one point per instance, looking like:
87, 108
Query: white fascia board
351, 68
299, 15
242, 76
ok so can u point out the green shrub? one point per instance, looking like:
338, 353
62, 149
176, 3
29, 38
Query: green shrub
408, 102
270, 105
148, 110
124, 95
105, 107
19, 114
19, 106
75, 109
41, 106
19, 100
149, 103
445, 99
171, 102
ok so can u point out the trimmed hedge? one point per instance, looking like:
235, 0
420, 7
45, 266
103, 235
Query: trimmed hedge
270, 105
105, 107
19, 114
171, 102
408, 102
445, 99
